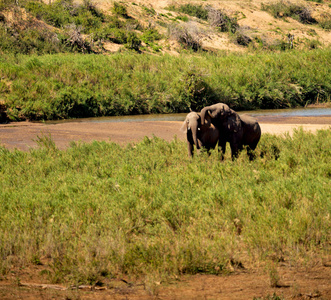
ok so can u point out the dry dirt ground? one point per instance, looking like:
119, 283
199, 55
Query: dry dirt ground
311, 282
247, 284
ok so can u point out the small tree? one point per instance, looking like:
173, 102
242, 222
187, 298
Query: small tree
133, 42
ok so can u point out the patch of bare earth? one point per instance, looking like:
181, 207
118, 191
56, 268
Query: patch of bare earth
294, 283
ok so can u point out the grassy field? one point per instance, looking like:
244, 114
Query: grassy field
75, 85
97, 211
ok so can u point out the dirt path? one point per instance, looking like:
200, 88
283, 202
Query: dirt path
23, 135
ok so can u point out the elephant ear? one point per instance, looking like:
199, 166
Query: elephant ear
233, 122
184, 126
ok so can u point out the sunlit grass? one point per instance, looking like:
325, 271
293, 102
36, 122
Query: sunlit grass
99, 210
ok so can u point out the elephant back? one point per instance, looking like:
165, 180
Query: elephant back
251, 130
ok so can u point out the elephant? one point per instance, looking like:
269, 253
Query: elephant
204, 135
239, 131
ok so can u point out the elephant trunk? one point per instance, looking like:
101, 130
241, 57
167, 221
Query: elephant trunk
194, 130
203, 113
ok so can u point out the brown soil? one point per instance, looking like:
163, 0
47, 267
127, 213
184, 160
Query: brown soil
313, 282
294, 283
23, 135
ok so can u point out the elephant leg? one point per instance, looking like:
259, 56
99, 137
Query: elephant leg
190, 149
235, 148
250, 150
251, 153
222, 145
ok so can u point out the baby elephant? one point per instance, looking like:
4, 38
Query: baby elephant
201, 135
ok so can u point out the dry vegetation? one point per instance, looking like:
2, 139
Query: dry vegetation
254, 25
257, 24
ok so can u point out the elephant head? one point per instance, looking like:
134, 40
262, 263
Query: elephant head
201, 135
192, 124
217, 112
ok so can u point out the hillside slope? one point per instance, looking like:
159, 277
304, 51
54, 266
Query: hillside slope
259, 25
164, 26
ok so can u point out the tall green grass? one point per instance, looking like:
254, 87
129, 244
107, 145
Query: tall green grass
97, 211
71, 86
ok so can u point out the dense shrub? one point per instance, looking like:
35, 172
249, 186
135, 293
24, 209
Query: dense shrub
55, 14
150, 35
130, 83
119, 9
64, 12
31, 38
115, 35
133, 42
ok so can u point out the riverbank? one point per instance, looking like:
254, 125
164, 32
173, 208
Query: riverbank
23, 135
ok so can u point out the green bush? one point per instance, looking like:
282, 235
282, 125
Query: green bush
119, 9
150, 35
133, 42
64, 12
115, 35
32, 39
88, 21
55, 14
5, 4
130, 83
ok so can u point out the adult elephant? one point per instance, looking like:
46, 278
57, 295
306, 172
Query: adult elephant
239, 131
202, 135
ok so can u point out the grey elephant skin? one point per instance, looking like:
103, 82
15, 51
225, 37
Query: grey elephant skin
204, 135
239, 131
